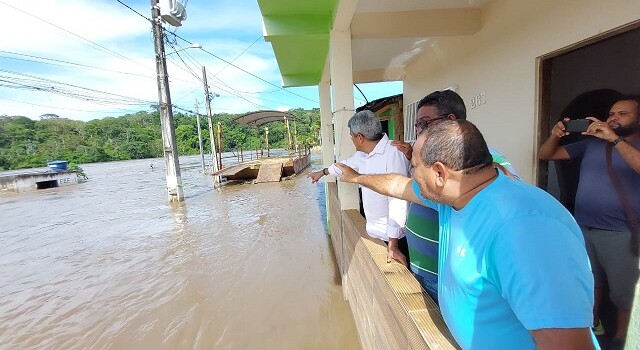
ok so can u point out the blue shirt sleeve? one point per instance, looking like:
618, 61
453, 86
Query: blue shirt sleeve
541, 268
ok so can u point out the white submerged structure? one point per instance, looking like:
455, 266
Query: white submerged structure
33, 179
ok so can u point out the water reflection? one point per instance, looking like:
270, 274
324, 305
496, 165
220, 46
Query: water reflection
111, 264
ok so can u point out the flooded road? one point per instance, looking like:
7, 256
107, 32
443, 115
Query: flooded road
109, 264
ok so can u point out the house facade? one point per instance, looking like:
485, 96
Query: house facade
518, 64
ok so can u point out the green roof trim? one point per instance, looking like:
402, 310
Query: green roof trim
299, 34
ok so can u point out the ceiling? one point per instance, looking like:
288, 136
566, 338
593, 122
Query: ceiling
386, 34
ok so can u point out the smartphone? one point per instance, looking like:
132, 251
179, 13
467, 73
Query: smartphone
577, 125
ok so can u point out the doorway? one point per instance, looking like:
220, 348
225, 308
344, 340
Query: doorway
579, 81
576, 82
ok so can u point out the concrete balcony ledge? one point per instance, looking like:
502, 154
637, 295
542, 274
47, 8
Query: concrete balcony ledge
390, 308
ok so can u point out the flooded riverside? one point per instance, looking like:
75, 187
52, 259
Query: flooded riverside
110, 264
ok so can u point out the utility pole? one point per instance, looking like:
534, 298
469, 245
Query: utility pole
295, 135
207, 98
266, 139
199, 135
220, 145
174, 180
286, 122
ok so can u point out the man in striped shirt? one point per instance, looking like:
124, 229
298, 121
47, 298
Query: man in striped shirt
421, 228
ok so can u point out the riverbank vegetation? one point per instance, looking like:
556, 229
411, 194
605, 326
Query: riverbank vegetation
27, 143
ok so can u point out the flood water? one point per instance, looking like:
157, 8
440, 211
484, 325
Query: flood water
110, 264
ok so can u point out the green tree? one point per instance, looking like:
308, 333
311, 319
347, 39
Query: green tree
27, 143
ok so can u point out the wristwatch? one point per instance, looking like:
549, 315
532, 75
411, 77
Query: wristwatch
325, 171
617, 141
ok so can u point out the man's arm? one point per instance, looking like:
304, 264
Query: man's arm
353, 161
563, 339
317, 175
396, 217
627, 151
551, 149
392, 185
630, 154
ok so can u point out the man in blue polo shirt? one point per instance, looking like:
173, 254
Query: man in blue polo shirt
514, 272
421, 228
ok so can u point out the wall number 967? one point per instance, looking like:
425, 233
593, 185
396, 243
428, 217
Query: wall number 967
478, 100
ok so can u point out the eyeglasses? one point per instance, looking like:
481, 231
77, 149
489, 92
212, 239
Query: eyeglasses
424, 122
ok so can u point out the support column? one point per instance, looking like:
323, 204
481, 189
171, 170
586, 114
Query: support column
326, 126
342, 82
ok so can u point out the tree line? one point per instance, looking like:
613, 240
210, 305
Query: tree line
27, 143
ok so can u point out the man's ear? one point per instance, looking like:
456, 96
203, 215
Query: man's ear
441, 173
451, 116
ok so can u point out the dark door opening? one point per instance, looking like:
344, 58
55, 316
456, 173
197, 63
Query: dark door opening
385, 127
582, 82
41, 185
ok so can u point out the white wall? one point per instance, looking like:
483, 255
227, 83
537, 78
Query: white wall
500, 61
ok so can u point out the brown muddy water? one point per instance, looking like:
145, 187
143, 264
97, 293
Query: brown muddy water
109, 264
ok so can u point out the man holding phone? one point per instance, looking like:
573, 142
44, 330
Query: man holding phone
576, 125
609, 159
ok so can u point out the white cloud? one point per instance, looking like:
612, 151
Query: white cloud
224, 28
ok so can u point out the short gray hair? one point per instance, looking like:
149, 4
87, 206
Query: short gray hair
367, 124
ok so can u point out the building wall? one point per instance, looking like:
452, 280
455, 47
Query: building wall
497, 67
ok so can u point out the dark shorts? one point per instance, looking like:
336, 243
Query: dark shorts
612, 261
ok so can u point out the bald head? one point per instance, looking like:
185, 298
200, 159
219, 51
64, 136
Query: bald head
457, 144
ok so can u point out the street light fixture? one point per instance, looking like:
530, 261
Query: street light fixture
192, 46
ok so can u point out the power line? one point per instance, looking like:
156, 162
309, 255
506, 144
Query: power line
68, 109
138, 13
87, 94
242, 69
229, 63
67, 62
76, 35
79, 65
229, 89
238, 56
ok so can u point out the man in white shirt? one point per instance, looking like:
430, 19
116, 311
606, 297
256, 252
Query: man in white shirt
375, 155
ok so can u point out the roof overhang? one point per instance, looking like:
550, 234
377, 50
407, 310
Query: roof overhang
299, 34
386, 35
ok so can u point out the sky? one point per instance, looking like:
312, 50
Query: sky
88, 59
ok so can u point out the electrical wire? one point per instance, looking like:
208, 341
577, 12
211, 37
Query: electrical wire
365, 97
138, 13
238, 56
68, 109
242, 69
66, 62
28, 82
95, 45
229, 63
